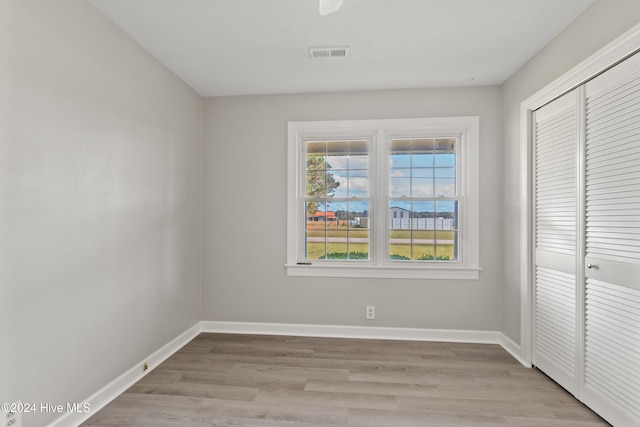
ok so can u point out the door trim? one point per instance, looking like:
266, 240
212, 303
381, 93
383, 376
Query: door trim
618, 50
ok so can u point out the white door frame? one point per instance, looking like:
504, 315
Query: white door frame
619, 49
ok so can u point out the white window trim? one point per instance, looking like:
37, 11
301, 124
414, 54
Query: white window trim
378, 132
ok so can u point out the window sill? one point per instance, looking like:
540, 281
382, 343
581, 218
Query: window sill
385, 272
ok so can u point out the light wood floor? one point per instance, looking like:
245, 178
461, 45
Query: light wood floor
261, 381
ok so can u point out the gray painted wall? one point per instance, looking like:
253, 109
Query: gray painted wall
600, 24
100, 203
245, 160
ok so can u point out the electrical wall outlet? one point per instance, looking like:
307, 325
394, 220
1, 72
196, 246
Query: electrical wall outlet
12, 418
371, 312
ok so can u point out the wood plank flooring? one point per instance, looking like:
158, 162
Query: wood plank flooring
264, 381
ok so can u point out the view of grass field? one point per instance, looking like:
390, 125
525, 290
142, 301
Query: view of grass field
317, 250
339, 239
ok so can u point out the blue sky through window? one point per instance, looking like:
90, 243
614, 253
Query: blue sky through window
418, 168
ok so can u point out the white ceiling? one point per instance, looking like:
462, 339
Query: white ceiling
239, 47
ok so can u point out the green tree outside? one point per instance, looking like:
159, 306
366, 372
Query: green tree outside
320, 182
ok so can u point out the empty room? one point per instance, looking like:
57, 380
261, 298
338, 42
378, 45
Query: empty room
319, 213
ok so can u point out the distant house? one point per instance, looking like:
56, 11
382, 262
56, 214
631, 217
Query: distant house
401, 213
322, 216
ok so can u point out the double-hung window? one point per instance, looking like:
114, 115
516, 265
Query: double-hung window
383, 198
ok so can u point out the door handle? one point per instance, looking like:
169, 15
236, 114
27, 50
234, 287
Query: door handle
592, 266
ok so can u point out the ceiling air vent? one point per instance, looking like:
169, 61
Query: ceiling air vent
329, 52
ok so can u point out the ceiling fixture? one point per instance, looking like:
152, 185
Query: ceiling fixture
329, 6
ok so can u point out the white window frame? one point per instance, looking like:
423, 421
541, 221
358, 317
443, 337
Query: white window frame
379, 133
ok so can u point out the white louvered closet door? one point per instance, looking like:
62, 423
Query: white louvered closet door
555, 328
612, 258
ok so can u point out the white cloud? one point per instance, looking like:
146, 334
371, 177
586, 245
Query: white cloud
337, 162
358, 183
358, 162
355, 184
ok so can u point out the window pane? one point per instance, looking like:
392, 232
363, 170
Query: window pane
315, 183
400, 153
358, 235
445, 152
315, 214
336, 166
358, 227
423, 233
422, 187
340, 182
320, 228
337, 247
399, 245
358, 155
315, 233
423, 240
399, 185
358, 183
423, 169
445, 144
337, 169
445, 181
316, 147
337, 155
445, 160
321, 181
445, 187
400, 230
315, 245
423, 172
423, 230
446, 230
337, 231
445, 173
359, 215
422, 153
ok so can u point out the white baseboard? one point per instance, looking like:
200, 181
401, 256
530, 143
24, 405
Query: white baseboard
116, 387
513, 349
367, 332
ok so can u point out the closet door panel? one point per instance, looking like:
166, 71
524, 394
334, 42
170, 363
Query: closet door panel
612, 352
612, 245
555, 338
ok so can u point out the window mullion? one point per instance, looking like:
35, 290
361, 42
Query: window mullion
381, 153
